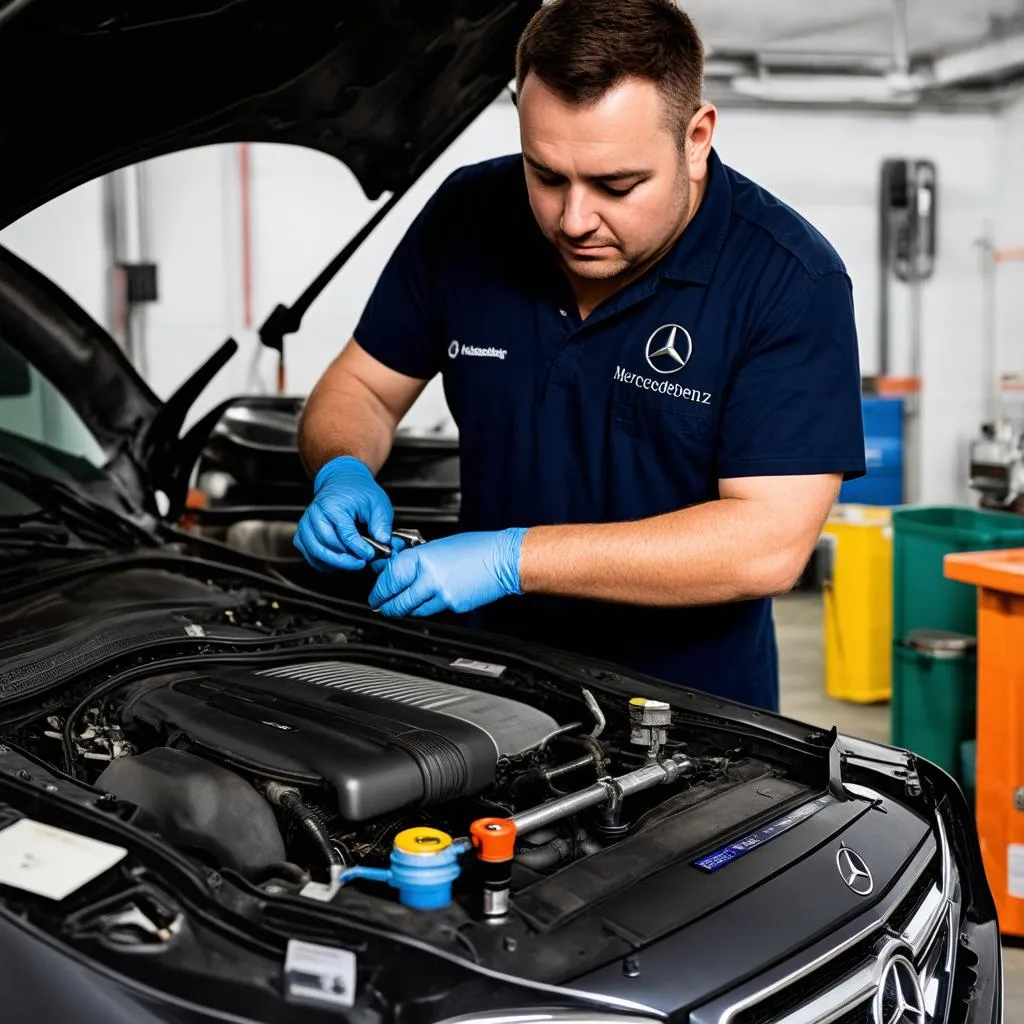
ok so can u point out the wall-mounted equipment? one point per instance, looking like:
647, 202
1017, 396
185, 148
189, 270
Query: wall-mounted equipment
908, 217
997, 453
908, 240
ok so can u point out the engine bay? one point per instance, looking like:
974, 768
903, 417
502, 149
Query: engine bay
313, 760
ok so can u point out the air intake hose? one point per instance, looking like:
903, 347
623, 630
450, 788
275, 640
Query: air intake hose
289, 799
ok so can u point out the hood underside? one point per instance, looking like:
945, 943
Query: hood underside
93, 85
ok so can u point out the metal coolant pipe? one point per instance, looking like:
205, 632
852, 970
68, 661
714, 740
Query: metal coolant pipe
606, 791
570, 766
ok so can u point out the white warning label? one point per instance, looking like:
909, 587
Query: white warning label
1015, 862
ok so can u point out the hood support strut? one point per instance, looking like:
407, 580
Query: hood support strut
288, 319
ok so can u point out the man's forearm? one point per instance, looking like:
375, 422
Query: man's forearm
345, 418
725, 550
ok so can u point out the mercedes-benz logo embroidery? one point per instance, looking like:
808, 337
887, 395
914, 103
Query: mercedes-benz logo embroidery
669, 349
899, 998
453, 350
855, 873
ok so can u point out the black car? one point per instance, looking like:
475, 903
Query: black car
228, 797
251, 488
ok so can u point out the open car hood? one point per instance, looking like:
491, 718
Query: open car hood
95, 85
100, 84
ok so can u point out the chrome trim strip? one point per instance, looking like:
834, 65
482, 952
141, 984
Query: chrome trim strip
845, 996
925, 922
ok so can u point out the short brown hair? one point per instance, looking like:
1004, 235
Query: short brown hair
582, 48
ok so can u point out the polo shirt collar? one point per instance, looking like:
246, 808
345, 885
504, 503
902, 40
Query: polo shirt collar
694, 255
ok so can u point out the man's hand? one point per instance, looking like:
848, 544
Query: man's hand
457, 573
345, 493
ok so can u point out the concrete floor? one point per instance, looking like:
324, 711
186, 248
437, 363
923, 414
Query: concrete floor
798, 619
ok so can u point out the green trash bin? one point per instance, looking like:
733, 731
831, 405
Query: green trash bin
969, 770
934, 696
922, 596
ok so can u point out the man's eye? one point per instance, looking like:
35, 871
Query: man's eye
548, 181
617, 192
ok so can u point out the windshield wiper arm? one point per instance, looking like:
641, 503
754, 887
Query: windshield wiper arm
88, 519
21, 530
36, 538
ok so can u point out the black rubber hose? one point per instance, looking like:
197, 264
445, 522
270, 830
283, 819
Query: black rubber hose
596, 750
291, 803
547, 856
282, 869
557, 851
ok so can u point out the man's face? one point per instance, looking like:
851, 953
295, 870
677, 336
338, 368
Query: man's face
608, 183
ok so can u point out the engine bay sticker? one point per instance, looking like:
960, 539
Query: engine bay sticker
319, 975
480, 668
50, 862
727, 854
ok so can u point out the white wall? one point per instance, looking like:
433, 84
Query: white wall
1009, 234
194, 218
64, 239
305, 206
828, 167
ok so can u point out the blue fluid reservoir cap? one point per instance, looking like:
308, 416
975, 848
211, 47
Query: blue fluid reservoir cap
424, 863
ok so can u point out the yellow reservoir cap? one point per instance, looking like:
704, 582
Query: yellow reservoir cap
638, 700
423, 840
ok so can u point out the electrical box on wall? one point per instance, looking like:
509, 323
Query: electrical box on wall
909, 217
140, 282
908, 235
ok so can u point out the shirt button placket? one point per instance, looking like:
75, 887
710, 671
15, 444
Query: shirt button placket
556, 366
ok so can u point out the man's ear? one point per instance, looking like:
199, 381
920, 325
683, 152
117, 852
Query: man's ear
699, 135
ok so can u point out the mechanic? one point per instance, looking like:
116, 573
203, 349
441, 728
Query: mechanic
652, 363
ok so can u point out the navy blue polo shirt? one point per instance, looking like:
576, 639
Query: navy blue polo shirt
734, 356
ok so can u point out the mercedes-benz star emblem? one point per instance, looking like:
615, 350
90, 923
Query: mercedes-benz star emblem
669, 349
854, 871
453, 350
899, 999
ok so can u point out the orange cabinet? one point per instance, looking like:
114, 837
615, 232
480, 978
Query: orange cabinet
999, 577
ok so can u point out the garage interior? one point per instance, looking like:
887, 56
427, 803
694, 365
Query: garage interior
897, 128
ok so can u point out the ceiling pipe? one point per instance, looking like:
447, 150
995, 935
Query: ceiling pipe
898, 86
901, 39
993, 58
824, 89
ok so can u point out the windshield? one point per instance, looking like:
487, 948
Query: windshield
38, 427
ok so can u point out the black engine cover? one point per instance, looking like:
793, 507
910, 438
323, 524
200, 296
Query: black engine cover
380, 739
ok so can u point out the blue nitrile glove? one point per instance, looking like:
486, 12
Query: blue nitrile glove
380, 563
456, 574
345, 494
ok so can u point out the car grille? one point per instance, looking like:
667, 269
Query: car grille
840, 985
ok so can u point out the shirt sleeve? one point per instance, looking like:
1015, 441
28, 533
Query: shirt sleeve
401, 323
794, 405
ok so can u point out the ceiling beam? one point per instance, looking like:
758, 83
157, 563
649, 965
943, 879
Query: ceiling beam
997, 57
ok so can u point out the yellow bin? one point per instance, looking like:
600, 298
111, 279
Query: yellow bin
857, 587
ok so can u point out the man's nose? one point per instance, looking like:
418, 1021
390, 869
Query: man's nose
579, 217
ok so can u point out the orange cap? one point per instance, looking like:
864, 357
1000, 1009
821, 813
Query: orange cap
494, 838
